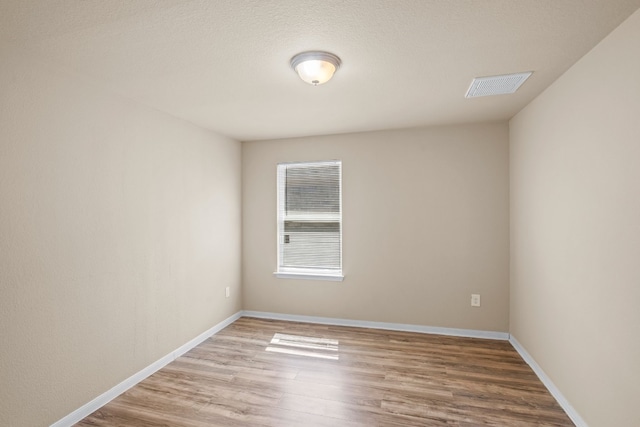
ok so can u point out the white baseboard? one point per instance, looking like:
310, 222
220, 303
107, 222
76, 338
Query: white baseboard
125, 385
562, 401
470, 333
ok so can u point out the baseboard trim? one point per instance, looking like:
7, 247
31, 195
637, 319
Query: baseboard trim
555, 392
125, 385
469, 333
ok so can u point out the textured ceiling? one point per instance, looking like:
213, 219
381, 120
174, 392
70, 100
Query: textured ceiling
224, 64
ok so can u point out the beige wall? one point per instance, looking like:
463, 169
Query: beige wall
575, 230
425, 216
119, 229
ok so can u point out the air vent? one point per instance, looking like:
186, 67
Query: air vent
496, 85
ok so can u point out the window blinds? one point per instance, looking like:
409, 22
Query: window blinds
309, 217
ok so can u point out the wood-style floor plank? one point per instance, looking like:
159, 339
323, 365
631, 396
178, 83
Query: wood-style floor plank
260, 372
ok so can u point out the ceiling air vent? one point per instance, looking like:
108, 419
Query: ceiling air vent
496, 85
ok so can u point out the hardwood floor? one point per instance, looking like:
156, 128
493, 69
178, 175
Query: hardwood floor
261, 372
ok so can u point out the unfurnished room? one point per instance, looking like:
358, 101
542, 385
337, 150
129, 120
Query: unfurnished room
290, 213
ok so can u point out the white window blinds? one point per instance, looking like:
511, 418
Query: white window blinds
309, 218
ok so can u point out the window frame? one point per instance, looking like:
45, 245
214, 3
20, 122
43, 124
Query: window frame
304, 273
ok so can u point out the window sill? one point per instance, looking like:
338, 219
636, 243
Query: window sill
332, 277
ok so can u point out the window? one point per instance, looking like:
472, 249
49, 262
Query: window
310, 220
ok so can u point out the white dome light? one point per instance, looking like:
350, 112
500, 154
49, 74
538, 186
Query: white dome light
315, 68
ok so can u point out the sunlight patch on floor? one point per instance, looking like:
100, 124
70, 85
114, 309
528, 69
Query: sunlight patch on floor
323, 348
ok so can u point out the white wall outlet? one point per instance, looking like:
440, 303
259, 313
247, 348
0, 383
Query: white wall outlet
475, 300
227, 291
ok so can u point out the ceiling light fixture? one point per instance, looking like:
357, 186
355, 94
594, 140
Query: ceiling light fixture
315, 67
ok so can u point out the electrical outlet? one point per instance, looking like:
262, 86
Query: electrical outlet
475, 300
227, 292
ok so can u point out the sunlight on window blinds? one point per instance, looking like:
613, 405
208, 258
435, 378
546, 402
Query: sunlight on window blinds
309, 216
